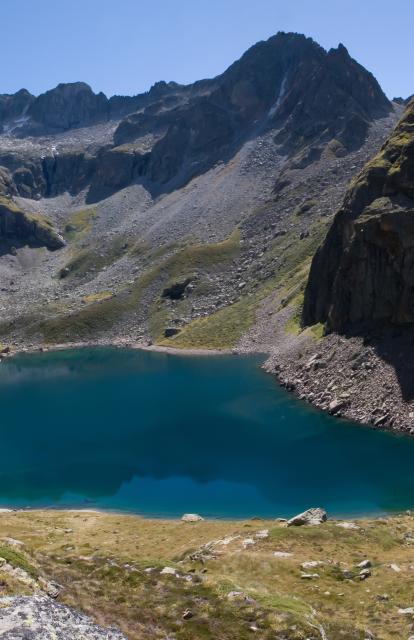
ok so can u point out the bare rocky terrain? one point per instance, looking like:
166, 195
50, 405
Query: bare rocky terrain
222, 189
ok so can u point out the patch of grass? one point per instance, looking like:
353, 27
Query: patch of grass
97, 297
223, 329
18, 560
92, 260
79, 224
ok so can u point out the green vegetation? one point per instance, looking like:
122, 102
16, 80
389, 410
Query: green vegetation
224, 328
79, 224
18, 560
94, 259
103, 315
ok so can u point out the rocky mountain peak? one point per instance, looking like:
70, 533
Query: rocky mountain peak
69, 105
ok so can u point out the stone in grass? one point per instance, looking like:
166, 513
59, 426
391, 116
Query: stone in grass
348, 525
187, 615
313, 516
365, 564
169, 332
191, 517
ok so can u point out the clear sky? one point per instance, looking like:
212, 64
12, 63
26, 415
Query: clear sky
124, 46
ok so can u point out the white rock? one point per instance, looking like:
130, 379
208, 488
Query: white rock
169, 571
282, 554
309, 576
395, 568
313, 516
406, 612
191, 517
264, 533
248, 542
348, 525
312, 564
12, 542
365, 564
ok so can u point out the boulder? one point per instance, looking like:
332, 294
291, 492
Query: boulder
313, 516
169, 332
191, 517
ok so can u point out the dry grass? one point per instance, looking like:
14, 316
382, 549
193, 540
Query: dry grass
100, 559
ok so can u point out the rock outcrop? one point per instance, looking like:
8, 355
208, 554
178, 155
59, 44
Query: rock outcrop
40, 617
24, 228
174, 132
363, 274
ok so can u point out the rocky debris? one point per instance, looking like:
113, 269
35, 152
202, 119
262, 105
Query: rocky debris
248, 542
169, 571
407, 612
373, 377
40, 617
364, 574
262, 534
282, 554
312, 564
313, 516
191, 517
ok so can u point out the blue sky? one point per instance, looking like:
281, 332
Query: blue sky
124, 46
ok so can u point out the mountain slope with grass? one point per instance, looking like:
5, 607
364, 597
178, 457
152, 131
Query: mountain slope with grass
218, 191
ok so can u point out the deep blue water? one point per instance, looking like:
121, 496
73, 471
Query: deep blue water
162, 435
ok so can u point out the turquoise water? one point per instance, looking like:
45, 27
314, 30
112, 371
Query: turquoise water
163, 435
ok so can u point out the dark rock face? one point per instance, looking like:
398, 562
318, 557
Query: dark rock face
173, 132
14, 105
68, 106
288, 80
15, 224
177, 290
363, 274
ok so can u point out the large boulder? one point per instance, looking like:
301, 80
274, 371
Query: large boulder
313, 516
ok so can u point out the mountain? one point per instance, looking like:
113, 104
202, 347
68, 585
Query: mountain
362, 275
171, 215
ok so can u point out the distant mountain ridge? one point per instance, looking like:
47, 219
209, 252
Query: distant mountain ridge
172, 132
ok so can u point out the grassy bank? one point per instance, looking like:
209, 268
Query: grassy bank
224, 574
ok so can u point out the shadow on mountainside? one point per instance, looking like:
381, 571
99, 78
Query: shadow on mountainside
395, 346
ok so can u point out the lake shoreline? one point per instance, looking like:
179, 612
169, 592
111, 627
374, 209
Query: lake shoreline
369, 515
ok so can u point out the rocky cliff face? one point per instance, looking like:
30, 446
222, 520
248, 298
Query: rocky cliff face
363, 274
288, 83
